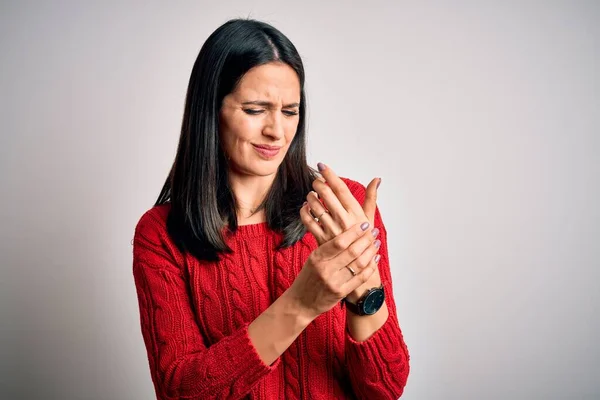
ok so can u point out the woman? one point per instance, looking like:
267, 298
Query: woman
245, 289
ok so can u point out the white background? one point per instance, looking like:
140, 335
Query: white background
482, 118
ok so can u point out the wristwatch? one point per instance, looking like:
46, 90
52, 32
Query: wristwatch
369, 303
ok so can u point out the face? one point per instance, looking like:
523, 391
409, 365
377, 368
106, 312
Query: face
258, 120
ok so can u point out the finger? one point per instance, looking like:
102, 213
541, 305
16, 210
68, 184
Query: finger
331, 201
361, 277
351, 270
328, 225
340, 243
340, 189
370, 203
311, 225
356, 250
365, 258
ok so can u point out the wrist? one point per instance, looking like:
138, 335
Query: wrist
297, 312
369, 303
363, 327
373, 282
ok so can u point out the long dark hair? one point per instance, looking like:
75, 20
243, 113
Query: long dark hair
197, 186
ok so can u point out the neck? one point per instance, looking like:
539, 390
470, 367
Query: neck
249, 191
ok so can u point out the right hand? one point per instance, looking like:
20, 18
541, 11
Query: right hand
324, 279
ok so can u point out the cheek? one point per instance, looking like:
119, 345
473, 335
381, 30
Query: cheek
290, 130
236, 130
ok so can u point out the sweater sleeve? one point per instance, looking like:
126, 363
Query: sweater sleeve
379, 366
181, 365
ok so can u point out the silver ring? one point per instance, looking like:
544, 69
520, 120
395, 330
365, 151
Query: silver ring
351, 270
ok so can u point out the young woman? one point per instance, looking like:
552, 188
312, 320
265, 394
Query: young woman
258, 277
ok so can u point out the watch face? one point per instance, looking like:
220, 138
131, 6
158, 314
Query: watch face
373, 302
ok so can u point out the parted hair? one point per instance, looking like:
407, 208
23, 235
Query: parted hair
197, 185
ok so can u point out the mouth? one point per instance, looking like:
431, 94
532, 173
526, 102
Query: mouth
266, 151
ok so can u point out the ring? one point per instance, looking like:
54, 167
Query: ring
319, 217
351, 270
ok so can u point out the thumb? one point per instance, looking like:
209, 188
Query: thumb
371, 200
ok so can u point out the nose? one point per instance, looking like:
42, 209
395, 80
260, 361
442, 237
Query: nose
274, 125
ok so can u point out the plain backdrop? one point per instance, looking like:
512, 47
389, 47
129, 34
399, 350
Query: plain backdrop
482, 118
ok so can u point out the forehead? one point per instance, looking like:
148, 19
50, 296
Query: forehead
269, 81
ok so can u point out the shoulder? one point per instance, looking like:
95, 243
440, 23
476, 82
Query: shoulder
152, 226
152, 243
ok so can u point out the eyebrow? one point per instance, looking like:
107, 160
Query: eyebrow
269, 104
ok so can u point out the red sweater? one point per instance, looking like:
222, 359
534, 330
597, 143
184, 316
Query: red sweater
195, 316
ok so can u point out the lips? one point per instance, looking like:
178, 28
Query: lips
267, 147
266, 151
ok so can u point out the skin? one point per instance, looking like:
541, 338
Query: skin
242, 125
263, 109
343, 210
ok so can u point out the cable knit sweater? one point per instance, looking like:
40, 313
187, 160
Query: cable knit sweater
195, 316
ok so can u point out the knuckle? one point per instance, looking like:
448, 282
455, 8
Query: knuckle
304, 217
353, 251
358, 227
319, 267
345, 224
361, 263
321, 187
339, 243
336, 291
336, 184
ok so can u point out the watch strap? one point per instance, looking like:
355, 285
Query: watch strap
353, 308
357, 308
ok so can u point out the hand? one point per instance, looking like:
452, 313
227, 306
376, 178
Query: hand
324, 279
337, 209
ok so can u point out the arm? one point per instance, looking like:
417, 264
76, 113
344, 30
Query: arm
181, 365
377, 357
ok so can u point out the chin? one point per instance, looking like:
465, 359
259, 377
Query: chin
259, 166
265, 170
259, 170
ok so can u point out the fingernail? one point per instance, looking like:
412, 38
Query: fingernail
364, 226
378, 183
377, 243
321, 166
377, 258
375, 232
305, 203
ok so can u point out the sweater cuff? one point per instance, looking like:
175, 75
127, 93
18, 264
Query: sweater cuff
378, 366
246, 354
385, 345
382, 335
231, 369
241, 366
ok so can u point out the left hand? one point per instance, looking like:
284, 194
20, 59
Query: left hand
337, 210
